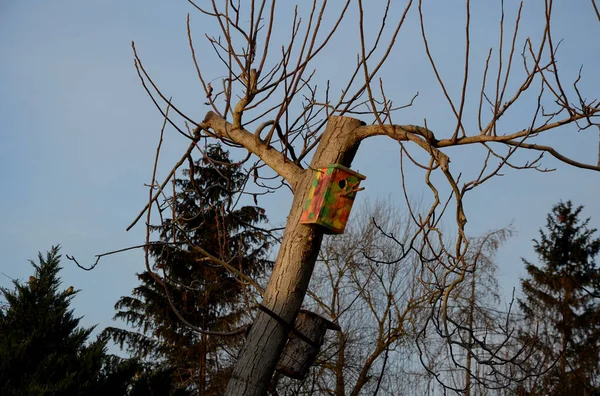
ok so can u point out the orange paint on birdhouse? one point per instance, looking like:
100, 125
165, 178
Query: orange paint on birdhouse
331, 197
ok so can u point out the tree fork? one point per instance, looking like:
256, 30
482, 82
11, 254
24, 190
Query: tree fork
293, 268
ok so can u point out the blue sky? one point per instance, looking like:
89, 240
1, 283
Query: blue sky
79, 133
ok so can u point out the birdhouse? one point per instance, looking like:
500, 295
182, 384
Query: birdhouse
300, 351
331, 197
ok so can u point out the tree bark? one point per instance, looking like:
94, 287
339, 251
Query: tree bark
340, 383
293, 268
470, 327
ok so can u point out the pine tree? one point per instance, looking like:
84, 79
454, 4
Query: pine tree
132, 377
202, 214
562, 307
43, 350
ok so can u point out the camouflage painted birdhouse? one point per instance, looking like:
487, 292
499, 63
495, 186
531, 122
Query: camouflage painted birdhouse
331, 197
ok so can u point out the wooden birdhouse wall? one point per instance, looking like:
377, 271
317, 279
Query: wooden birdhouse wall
331, 197
299, 355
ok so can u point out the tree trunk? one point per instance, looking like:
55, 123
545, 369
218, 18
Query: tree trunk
292, 271
340, 383
470, 327
202, 379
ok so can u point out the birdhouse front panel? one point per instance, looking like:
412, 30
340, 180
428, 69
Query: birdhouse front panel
331, 197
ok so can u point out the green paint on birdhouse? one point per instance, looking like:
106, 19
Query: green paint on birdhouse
331, 197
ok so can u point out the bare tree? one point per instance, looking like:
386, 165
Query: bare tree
376, 291
484, 329
266, 102
370, 287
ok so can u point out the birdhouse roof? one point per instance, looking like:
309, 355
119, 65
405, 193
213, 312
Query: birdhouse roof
347, 170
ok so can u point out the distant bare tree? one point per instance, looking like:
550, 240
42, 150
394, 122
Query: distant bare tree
380, 295
484, 328
368, 285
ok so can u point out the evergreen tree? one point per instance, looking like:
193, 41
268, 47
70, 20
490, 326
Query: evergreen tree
561, 305
43, 350
132, 377
202, 214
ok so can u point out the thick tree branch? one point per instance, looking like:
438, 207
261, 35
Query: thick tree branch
273, 158
426, 139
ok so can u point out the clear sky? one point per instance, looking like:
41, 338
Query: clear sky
78, 132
